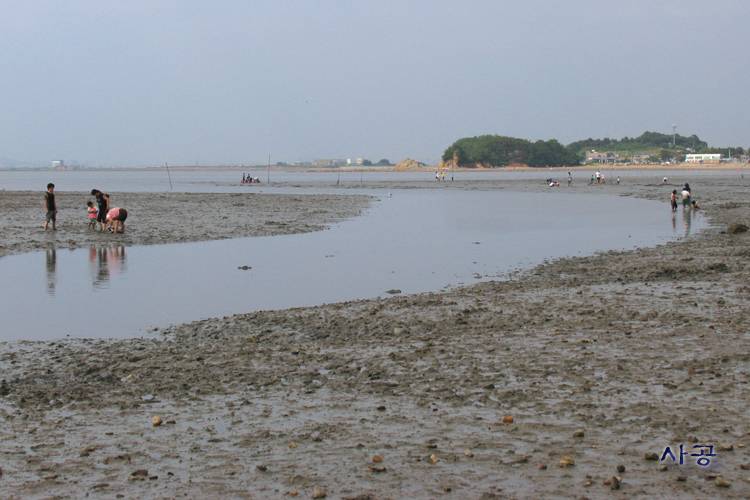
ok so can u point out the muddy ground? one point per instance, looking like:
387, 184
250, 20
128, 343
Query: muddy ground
155, 218
599, 359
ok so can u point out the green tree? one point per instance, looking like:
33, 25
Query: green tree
498, 151
383, 163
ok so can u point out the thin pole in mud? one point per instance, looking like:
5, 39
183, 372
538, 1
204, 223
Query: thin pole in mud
361, 174
168, 175
268, 178
338, 179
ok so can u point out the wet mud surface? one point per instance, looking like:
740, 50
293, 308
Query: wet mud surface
599, 360
156, 218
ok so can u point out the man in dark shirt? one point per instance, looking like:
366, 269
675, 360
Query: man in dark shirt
49, 205
102, 200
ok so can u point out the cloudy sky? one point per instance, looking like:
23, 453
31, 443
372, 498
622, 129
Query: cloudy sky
141, 82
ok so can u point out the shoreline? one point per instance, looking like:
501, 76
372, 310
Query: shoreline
638, 349
373, 169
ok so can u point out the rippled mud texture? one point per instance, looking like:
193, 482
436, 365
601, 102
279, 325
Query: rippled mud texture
640, 350
155, 218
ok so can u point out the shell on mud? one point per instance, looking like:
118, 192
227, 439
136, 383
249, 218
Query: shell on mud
737, 228
319, 492
723, 483
613, 482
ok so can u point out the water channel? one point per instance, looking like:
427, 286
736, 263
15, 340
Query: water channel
414, 240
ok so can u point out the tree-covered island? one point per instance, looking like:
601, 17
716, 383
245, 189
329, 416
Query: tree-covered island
501, 151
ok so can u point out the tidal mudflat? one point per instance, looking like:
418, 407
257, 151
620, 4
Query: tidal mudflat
417, 240
600, 361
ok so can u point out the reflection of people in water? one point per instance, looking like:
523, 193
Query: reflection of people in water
686, 221
51, 262
105, 262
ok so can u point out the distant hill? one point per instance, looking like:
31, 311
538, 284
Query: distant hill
501, 151
646, 141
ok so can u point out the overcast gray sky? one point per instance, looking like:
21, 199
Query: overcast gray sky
143, 82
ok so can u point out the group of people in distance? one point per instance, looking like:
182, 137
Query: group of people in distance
106, 217
687, 198
597, 178
248, 179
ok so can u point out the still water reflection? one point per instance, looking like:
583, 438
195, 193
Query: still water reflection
105, 262
415, 241
51, 265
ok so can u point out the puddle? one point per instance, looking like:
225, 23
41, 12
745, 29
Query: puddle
413, 241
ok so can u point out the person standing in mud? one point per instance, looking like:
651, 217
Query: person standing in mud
686, 195
102, 202
570, 180
673, 200
51, 207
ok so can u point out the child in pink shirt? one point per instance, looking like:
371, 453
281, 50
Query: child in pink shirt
92, 213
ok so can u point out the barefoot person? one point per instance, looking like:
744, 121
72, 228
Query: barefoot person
50, 207
117, 215
91, 214
102, 201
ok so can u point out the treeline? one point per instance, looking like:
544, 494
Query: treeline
646, 141
500, 151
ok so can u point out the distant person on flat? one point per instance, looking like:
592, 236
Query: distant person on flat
50, 207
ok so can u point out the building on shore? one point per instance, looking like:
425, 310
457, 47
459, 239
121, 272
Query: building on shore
703, 158
329, 163
593, 156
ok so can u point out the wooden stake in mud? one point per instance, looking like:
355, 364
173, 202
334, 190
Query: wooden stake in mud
170, 177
